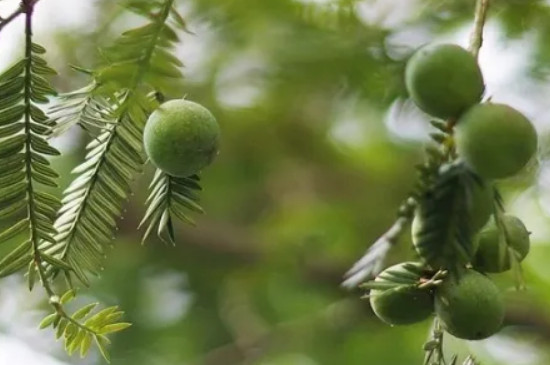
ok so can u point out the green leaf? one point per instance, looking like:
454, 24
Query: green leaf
13, 208
61, 328
182, 24
84, 311
12, 115
68, 296
15, 70
114, 316
17, 259
11, 87
36, 48
71, 333
169, 198
55, 262
11, 129
48, 321
81, 107
116, 327
76, 342
10, 100
85, 345
31, 275
14, 230
102, 343
98, 319
70, 330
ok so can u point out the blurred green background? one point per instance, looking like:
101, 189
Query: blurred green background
319, 148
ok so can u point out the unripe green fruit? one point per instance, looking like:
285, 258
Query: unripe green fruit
400, 305
181, 138
495, 140
471, 307
444, 80
492, 254
481, 207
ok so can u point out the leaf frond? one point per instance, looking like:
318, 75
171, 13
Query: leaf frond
82, 107
445, 238
84, 327
144, 55
94, 200
25, 167
138, 64
170, 198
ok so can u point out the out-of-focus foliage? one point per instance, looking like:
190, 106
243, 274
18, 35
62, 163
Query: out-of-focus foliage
316, 157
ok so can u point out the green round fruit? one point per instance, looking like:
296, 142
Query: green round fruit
492, 254
181, 138
471, 307
403, 304
481, 205
444, 80
495, 140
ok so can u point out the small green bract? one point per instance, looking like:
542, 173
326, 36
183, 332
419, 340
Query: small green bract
494, 246
181, 138
444, 80
495, 140
469, 307
401, 304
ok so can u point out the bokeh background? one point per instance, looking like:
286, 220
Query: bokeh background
319, 148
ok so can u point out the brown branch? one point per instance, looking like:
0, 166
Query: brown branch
20, 10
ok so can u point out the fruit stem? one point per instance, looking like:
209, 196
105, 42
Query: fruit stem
476, 39
434, 354
434, 281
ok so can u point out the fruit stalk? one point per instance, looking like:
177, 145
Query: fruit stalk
476, 39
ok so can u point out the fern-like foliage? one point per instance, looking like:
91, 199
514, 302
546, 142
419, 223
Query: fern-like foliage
82, 107
142, 59
408, 275
445, 237
93, 202
25, 169
138, 64
170, 198
82, 328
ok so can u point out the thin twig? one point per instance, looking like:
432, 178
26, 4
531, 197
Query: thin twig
434, 346
20, 10
476, 39
371, 263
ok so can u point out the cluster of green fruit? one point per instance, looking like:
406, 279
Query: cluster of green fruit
495, 140
181, 138
492, 141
